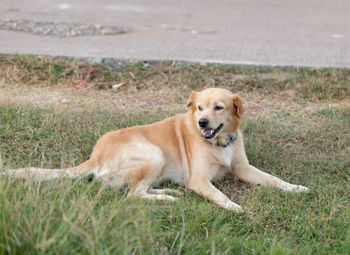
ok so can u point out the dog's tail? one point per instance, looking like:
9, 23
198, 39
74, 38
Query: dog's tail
40, 174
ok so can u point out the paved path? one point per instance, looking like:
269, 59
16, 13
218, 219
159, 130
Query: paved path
262, 32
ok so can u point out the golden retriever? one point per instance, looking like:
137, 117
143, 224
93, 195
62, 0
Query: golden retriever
191, 149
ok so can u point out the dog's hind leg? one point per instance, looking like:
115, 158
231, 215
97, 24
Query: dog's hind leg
143, 192
143, 179
165, 191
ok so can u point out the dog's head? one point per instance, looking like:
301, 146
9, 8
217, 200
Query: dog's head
215, 112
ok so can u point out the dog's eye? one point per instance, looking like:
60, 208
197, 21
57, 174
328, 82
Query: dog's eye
200, 108
218, 107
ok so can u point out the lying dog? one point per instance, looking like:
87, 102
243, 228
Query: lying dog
191, 149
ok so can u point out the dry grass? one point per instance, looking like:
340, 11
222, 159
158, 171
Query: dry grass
43, 81
307, 83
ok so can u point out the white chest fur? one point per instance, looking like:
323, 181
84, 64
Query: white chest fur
226, 156
223, 158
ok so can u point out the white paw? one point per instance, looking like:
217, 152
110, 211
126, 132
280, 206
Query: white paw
176, 192
299, 188
294, 188
234, 207
167, 197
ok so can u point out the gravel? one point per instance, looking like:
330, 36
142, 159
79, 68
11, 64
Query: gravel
59, 29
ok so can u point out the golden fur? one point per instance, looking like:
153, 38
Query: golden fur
174, 149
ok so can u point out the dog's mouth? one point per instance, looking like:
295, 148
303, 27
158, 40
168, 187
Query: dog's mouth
209, 133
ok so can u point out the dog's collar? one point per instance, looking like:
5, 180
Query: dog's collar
230, 141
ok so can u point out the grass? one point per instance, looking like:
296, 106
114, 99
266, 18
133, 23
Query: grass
313, 84
66, 216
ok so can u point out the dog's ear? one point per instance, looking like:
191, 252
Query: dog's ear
237, 105
191, 99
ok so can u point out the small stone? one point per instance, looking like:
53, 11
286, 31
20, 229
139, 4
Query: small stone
116, 86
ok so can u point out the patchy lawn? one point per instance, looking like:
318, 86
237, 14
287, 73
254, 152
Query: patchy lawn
297, 127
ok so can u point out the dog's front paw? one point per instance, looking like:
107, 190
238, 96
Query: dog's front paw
299, 188
234, 207
294, 188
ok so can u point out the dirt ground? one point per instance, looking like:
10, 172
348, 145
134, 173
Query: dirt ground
166, 99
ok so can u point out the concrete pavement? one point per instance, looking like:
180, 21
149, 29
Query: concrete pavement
261, 32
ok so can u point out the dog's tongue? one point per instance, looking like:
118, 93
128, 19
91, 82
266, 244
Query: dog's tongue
207, 132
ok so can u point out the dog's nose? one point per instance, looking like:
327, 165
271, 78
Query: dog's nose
203, 123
